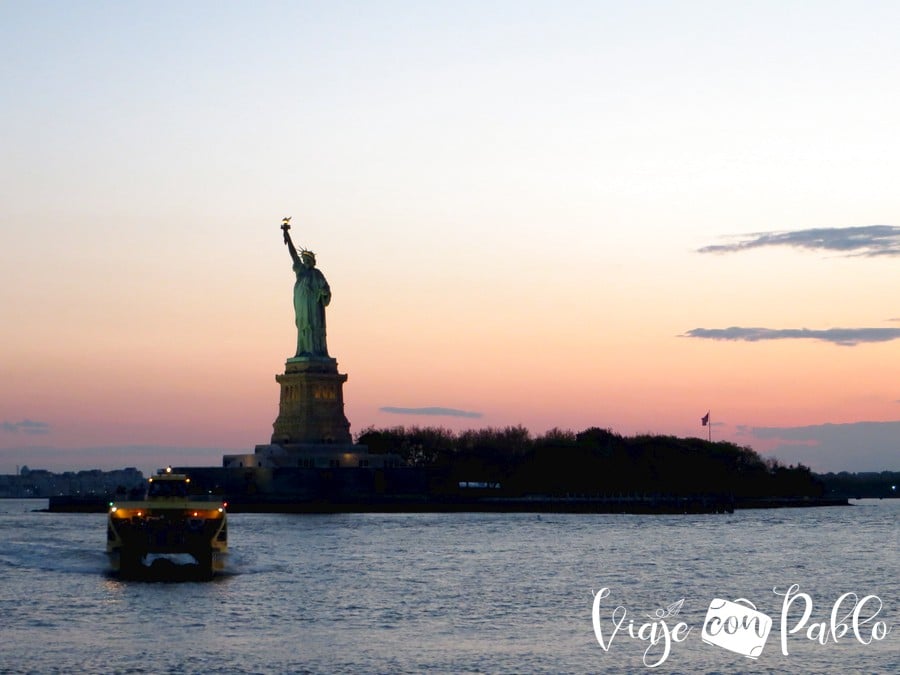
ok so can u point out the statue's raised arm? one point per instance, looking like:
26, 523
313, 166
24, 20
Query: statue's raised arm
285, 227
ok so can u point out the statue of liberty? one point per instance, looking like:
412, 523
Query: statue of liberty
311, 295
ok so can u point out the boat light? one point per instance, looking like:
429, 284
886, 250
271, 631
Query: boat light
221, 510
113, 508
168, 469
195, 514
140, 513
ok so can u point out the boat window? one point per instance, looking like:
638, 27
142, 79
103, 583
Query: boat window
168, 488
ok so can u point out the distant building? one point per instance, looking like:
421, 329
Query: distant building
40, 483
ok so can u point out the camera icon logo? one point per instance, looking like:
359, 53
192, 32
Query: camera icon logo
736, 626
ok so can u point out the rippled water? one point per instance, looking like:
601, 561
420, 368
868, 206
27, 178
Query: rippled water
444, 593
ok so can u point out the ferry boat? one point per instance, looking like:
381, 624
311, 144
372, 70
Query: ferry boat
170, 533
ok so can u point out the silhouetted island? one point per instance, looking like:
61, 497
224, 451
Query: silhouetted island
508, 469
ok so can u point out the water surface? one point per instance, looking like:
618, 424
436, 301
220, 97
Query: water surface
444, 593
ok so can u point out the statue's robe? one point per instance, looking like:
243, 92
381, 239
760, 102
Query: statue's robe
311, 295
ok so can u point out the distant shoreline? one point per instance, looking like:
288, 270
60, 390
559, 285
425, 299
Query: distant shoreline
535, 504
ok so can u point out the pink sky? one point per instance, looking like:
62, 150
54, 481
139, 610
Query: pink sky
510, 213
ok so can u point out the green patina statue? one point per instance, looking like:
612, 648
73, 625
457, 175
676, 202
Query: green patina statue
311, 295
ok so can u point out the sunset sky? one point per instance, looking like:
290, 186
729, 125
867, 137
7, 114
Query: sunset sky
553, 214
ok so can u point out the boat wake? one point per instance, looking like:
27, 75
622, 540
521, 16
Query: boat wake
59, 559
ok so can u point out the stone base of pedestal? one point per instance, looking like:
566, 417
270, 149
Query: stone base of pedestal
311, 408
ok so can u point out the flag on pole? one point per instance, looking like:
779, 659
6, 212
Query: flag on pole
705, 419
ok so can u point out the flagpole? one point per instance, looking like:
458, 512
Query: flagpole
709, 427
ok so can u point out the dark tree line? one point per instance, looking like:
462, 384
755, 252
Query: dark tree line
593, 462
877, 485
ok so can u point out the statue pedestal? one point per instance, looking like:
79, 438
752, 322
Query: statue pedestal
311, 432
311, 408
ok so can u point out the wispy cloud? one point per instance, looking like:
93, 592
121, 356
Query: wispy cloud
434, 411
26, 427
867, 241
846, 337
